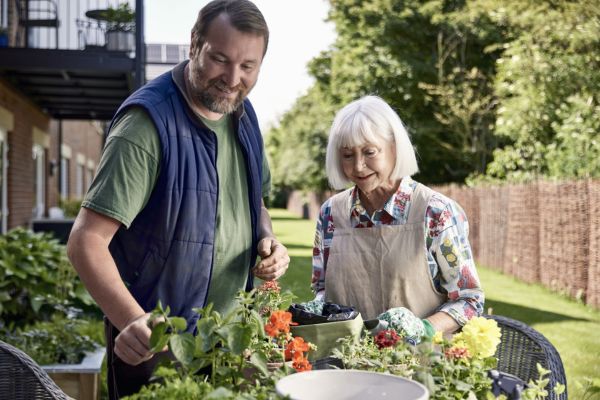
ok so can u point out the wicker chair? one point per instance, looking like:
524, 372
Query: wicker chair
521, 348
22, 379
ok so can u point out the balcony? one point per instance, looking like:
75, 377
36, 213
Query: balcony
75, 59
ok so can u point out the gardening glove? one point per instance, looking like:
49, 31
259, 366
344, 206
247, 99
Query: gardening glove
406, 324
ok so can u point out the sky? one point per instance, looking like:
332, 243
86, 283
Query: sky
298, 32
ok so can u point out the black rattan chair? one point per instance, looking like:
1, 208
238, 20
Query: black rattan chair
522, 348
21, 378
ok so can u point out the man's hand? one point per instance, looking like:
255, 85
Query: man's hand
274, 259
132, 345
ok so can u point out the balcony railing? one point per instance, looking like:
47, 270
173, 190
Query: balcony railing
64, 24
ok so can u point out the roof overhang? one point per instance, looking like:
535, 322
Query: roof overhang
70, 84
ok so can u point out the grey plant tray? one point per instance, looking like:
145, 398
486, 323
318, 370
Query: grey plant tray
91, 364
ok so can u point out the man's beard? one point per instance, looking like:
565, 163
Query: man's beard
215, 103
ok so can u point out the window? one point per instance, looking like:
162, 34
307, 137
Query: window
79, 172
64, 178
39, 184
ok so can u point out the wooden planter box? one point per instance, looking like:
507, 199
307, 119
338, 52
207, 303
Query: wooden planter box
79, 381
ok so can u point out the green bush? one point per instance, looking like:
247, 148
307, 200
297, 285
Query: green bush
36, 279
70, 207
59, 341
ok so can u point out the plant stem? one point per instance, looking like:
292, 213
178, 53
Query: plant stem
285, 366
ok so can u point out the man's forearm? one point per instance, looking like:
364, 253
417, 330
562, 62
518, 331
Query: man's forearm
265, 225
90, 256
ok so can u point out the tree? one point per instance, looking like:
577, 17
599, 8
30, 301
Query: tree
547, 87
297, 147
488, 89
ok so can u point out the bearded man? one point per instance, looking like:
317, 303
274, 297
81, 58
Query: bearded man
176, 213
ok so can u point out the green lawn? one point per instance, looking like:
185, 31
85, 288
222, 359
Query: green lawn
298, 235
572, 327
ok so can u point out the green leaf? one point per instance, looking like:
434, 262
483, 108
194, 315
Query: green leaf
182, 346
463, 386
198, 364
179, 323
219, 394
159, 337
559, 388
82, 294
258, 321
206, 334
37, 302
239, 338
259, 360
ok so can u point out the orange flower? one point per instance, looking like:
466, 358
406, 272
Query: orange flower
296, 348
301, 365
278, 323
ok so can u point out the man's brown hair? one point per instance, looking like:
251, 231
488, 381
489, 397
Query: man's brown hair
243, 15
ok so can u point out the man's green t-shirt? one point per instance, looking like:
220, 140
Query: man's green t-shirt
128, 172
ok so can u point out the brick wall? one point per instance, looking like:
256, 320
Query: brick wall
20, 175
83, 137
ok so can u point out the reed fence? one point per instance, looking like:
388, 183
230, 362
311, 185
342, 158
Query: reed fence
542, 232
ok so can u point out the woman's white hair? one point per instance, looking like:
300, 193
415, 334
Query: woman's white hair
368, 119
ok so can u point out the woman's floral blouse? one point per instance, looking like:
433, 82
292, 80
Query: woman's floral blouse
446, 240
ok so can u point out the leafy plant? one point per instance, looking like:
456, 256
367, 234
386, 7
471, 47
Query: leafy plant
590, 389
58, 341
36, 278
454, 368
236, 355
70, 207
120, 18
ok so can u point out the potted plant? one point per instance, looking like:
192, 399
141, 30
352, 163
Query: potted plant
120, 28
68, 348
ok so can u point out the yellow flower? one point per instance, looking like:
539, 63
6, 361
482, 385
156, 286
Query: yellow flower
480, 336
451, 258
438, 338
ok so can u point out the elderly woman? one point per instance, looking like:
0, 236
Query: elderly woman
392, 247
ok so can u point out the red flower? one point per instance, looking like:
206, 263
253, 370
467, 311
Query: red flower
295, 349
278, 323
386, 338
301, 365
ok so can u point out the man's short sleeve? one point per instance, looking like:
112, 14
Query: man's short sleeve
128, 168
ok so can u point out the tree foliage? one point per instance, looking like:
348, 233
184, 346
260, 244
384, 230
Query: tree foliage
488, 89
297, 146
547, 85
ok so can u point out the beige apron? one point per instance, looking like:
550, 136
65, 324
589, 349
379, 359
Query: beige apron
375, 269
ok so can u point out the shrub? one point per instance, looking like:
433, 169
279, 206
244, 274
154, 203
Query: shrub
70, 207
58, 341
36, 279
